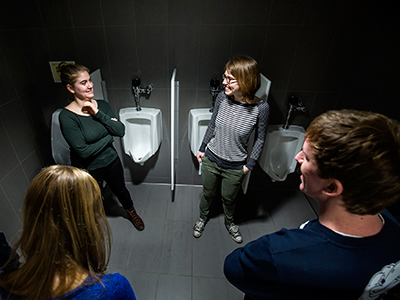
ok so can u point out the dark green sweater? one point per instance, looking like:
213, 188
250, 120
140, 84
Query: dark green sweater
90, 138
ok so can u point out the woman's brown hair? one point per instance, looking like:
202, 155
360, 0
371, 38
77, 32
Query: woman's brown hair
65, 234
362, 151
246, 71
69, 73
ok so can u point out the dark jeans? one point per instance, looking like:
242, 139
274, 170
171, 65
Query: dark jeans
230, 180
113, 175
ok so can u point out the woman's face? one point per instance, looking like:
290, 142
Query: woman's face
232, 88
83, 87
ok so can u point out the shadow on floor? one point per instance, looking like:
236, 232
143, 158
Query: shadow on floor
112, 207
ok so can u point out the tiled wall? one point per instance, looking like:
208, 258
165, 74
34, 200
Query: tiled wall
331, 54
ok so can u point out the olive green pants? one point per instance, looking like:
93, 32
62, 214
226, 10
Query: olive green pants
230, 180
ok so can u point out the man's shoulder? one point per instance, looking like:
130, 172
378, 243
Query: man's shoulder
286, 240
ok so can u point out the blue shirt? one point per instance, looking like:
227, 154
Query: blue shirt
111, 287
317, 263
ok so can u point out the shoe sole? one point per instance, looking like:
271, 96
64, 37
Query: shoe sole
239, 242
139, 229
197, 236
233, 238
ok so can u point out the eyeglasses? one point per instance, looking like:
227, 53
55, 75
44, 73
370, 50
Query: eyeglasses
228, 79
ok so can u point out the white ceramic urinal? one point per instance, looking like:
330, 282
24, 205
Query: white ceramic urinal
143, 132
280, 148
263, 91
59, 146
99, 86
197, 125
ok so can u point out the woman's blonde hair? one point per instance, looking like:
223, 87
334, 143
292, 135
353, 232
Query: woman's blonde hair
65, 234
246, 71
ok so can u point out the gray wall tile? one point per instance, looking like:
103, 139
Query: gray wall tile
10, 221
17, 127
87, 13
14, 195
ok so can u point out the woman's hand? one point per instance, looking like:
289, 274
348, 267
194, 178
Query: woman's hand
200, 156
245, 169
90, 107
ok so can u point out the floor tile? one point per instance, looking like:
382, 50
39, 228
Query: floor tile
139, 194
181, 208
147, 249
165, 261
172, 287
177, 248
260, 227
209, 288
301, 207
283, 214
234, 293
207, 253
123, 241
155, 206
144, 284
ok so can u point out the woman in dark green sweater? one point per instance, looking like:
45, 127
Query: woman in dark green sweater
89, 126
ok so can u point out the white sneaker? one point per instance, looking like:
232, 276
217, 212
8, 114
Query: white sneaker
198, 228
234, 233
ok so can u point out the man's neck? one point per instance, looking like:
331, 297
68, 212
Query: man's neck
338, 219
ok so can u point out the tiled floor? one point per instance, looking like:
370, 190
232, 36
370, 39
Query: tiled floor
166, 262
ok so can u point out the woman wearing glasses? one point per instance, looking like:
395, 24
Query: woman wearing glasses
223, 152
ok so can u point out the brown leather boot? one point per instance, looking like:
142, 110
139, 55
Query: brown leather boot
135, 219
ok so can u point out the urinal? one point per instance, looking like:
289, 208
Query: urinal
99, 86
197, 125
59, 146
280, 148
143, 132
265, 86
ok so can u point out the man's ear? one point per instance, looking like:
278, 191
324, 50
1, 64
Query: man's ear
70, 88
334, 188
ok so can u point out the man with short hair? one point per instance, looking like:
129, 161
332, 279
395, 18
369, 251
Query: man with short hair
350, 164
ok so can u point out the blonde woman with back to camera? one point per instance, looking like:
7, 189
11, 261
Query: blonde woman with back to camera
65, 242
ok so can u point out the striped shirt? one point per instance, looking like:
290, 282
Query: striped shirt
229, 131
